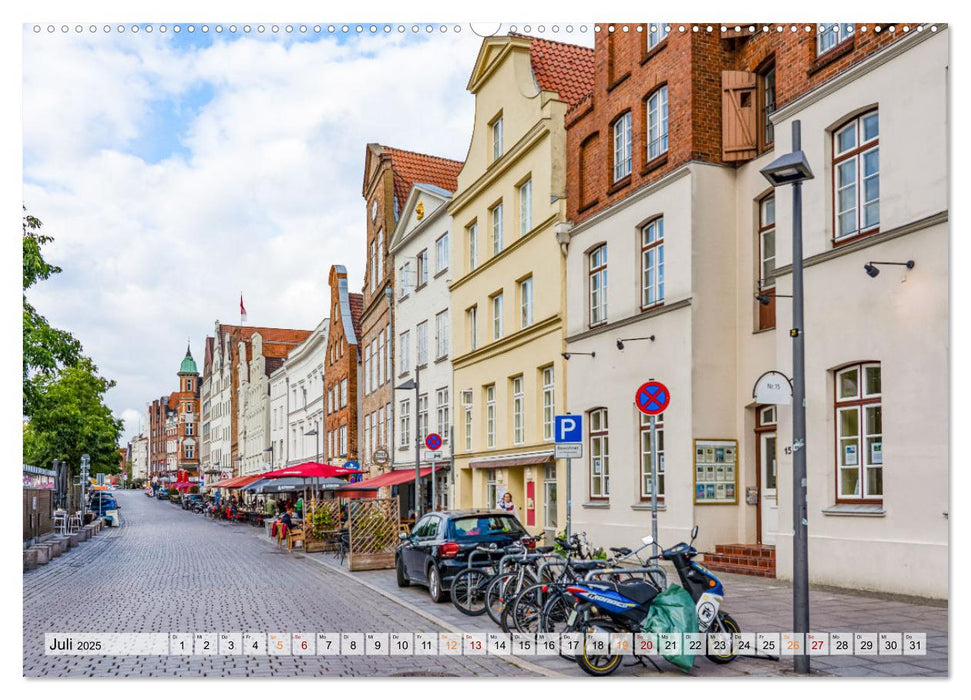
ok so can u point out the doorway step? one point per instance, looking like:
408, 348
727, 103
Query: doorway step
748, 559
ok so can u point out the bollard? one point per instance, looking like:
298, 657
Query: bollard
30, 559
42, 553
75, 539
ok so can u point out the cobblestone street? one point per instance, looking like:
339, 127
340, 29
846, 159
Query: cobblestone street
169, 570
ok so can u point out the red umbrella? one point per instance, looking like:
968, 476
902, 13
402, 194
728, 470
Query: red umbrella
309, 470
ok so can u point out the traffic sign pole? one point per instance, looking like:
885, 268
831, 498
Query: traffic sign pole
569, 502
654, 479
651, 399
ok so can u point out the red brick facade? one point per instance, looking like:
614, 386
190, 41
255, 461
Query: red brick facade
690, 64
341, 369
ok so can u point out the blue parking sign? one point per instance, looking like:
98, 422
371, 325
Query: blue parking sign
568, 428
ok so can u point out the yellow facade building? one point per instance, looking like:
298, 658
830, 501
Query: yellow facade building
508, 286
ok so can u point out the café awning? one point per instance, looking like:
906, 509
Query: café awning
236, 482
309, 470
528, 460
369, 487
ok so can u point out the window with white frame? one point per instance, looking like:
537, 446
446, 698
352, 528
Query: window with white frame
622, 147
422, 269
518, 406
468, 428
472, 238
497, 316
441, 334
367, 369
387, 425
405, 280
548, 406
597, 262
656, 33
549, 497
646, 456
379, 427
526, 207
492, 490
368, 426
389, 353
190, 451
856, 181
441, 253
423, 415
343, 433
767, 242
380, 269
404, 421
404, 352
526, 302
652, 263
859, 433
422, 338
373, 272
496, 128
599, 455
472, 321
657, 123
343, 393
830, 35
189, 428
491, 415
495, 215
442, 411
380, 359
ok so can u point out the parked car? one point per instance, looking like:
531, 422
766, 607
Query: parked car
163, 493
190, 499
101, 502
439, 545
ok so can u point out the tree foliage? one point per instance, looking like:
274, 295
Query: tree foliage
70, 419
46, 349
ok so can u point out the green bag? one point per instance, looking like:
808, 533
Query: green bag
673, 610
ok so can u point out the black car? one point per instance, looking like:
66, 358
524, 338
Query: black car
162, 494
190, 499
439, 545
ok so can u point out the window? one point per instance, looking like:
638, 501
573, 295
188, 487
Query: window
441, 409
646, 456
189, 429
598, 284
379, 439
343, 393
441, 334
373, 260
496, 215
343, 435
859, 433
856, 184
829, 36
471, 320
404, 350
367, 369
497, 316
518, 405
767, 80
405, 279
496, 128
190, 451
422, 337
492, 494
548, 409
549, 496
468, 428
491, 415
389, 440
379, 371
472, 234
526, 302
766, 282
188, 385
368, 424
441, 253
622, 147
380, 268
656, 33
526, 207
404, 414
599, 455
657, 123
652, 263
389, 354
422, 269
423, 415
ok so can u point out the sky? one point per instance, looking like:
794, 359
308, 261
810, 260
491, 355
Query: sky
178, 170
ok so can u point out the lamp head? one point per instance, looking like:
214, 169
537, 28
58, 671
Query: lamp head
620, 344
871, 269
566, 355
787, 169
763, 299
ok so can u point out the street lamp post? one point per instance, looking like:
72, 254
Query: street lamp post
793, 168
316, 433
404, 386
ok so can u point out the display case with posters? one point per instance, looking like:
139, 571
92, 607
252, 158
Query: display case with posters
716, 473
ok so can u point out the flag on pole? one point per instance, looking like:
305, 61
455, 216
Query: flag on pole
242, 309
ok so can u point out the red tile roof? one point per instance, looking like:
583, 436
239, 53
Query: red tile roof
566, 69
356, 302
410, 167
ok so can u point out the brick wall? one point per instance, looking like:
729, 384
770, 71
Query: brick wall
691, 66
344, 366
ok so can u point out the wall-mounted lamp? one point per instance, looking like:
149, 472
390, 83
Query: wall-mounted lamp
873, 271
568, 355
765, 299
621, 341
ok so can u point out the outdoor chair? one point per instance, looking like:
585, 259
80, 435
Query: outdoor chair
60, 522
295, 535
75, 523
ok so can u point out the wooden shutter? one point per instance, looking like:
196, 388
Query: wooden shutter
739, 116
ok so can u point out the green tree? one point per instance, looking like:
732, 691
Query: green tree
46, 349
70, 418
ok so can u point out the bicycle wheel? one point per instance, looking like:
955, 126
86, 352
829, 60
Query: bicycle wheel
498, 592
555, 615
468, 591
522, 614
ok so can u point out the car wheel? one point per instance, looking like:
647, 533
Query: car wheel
399, 570
435, 588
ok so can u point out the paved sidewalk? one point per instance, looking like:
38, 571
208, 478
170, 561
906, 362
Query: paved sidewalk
758, 605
